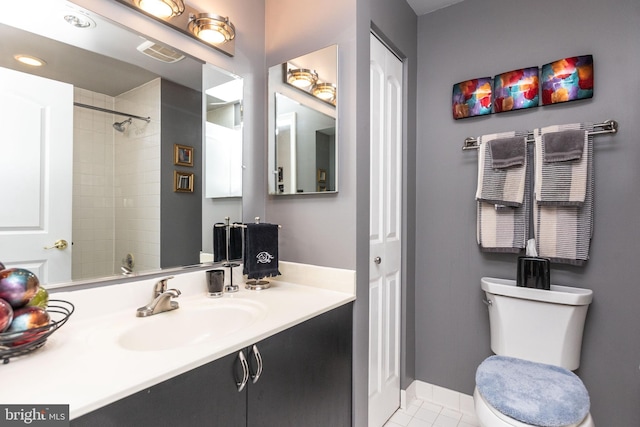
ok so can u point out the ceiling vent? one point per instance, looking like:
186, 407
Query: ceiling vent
159, 52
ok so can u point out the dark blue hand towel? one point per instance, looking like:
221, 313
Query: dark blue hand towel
219, 242
235, 242
261, 251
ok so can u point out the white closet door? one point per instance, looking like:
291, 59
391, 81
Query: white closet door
36, 171
385, 233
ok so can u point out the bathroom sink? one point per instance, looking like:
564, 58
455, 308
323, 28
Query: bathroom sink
189, 325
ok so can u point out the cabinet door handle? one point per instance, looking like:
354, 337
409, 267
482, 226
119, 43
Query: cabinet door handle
258, 356
245, 371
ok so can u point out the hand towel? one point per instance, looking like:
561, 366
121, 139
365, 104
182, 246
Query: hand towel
563, 146
508, 152
503, 186
219, 242
561, 183
563, 233
261, 251
235, 242
502, 228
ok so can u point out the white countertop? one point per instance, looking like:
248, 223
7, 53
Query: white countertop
83, 365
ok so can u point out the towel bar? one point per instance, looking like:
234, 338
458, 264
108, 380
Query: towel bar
608, 126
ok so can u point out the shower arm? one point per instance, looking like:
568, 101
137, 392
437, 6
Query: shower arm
104, 110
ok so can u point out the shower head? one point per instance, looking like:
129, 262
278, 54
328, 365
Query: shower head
121, 126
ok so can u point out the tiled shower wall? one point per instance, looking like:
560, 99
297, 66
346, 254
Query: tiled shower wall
93, 220
116, 203
137, 179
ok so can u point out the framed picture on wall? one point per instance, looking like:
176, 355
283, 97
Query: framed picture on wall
182, 155
472, 98
567, 79
515, 90
322, 175
182, 182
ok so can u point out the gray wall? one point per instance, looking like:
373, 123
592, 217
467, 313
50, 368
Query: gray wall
333, 230
312, 224
484, 38
180, 213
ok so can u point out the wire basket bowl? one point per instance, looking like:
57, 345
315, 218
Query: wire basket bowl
14, 344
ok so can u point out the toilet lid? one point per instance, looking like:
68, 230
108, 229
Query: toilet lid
533, 393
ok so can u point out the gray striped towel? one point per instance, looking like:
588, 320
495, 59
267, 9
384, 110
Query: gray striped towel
563, 233
500, 186
560, 183
505, 229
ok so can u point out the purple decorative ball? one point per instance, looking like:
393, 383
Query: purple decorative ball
18, 286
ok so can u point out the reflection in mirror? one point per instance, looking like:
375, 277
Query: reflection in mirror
305, 148
105, 182
302, 125
222, 153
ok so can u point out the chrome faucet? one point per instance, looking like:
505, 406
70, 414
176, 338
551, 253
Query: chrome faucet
161, 299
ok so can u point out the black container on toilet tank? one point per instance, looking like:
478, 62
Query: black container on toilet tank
534, 272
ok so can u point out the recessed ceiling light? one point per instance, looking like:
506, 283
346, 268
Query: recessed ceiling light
79, 20
30, 60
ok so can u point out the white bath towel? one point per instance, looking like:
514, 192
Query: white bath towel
563, 233
560, 183
500, 186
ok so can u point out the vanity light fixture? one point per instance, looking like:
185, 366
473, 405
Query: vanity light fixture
212, 28
302, 78
162, 9
325, 91
208, 28
30, 60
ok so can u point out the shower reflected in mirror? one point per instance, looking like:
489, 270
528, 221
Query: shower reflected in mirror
122, 126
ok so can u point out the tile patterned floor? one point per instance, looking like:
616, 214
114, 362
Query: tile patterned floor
427, 414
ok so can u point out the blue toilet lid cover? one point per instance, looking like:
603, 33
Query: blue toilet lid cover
533, 393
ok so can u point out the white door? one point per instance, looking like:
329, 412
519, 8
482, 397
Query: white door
385, 233
36, 155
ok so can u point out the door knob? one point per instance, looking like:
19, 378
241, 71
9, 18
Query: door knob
59, 244
377, 260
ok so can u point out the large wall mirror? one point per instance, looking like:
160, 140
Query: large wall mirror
95, 138
303, 146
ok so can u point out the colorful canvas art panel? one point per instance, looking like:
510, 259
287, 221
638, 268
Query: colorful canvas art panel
567, 79
516, 89
472, 98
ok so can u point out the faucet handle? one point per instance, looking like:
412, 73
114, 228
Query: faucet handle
161, 286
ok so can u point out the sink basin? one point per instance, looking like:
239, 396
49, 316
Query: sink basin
189, 325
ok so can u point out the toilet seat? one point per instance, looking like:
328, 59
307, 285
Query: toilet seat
488, 416
527, 393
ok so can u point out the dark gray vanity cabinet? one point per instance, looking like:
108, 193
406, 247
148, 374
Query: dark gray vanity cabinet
305, 381
205, 396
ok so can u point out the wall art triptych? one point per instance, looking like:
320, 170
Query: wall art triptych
565, 80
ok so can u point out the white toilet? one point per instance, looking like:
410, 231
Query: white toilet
537, 338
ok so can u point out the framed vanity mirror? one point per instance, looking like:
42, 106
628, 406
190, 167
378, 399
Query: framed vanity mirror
89, 155
303, 145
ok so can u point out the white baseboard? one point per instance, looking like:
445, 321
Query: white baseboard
439, 395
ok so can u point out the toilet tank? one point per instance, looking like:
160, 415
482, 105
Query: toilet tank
534, 324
